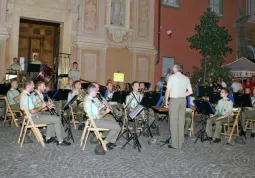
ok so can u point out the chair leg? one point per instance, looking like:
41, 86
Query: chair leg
13, 119
22, 128
246, 125
5, 116
83, 133
86, 138
39, 135
99, 138
232, 131
23, 136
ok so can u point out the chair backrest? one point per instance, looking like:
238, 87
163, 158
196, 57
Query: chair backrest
28, 117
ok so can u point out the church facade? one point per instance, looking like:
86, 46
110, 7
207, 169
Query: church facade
102, 36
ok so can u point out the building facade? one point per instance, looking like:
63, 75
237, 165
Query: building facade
103, 36
181, 16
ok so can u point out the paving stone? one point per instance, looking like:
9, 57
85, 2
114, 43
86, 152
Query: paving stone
193, 160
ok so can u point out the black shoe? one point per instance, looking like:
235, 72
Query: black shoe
109, 146
217, 140
208, 139
252, 135
52, 139
170, 146
112, 144
64, 143
186, 136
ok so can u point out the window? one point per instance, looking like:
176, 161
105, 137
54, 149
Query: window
172, 3
251, 9
217, 6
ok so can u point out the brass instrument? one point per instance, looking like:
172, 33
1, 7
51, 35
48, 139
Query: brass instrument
81, 96
104, 102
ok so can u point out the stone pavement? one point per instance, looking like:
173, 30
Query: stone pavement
194, 160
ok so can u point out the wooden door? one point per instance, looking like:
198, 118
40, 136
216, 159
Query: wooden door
37, 42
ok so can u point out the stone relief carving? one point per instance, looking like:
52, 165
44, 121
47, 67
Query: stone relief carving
118, 13
118, 37
143, 21
90, 15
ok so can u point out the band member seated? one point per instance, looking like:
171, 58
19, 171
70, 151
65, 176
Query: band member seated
69, 85
13, 95
15, 67
75, 105
99, 116
109, 92
188, 118
134, 98
142, 87
223, 112
249, 113
54, 125
74, 73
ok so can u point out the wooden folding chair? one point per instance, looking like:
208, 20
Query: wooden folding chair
9, 110
73, 116
233, 126
29, 124
250, 123
191, 129
90, 126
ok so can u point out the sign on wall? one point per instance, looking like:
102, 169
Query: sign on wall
243, 73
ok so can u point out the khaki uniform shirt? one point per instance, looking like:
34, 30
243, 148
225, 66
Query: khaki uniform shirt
135, 97
14, 68
74, 74
178, 84
224, 106
26, 102
91, 107
11, 94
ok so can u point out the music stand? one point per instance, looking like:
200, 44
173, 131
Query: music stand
68, 129
205, 109
149, 99
59, 95
214, 97
242, 100
134, 115
4, 89
205, 91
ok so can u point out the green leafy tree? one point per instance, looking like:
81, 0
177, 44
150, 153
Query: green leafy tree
211, 40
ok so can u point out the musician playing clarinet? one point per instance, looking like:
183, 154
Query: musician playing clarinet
100, 117
54, 125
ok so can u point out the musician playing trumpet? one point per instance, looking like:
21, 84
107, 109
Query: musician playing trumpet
76, 90
13, 95
54, 125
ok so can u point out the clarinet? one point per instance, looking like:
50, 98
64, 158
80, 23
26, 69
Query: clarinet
52, 110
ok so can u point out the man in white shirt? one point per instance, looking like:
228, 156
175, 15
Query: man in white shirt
178, 87
236, 86
13, 95
74, 73
15, 67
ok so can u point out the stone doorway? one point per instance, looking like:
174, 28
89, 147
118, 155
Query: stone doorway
38, 44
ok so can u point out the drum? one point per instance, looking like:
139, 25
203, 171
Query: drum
46, 74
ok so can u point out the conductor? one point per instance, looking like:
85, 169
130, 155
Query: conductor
178, 87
